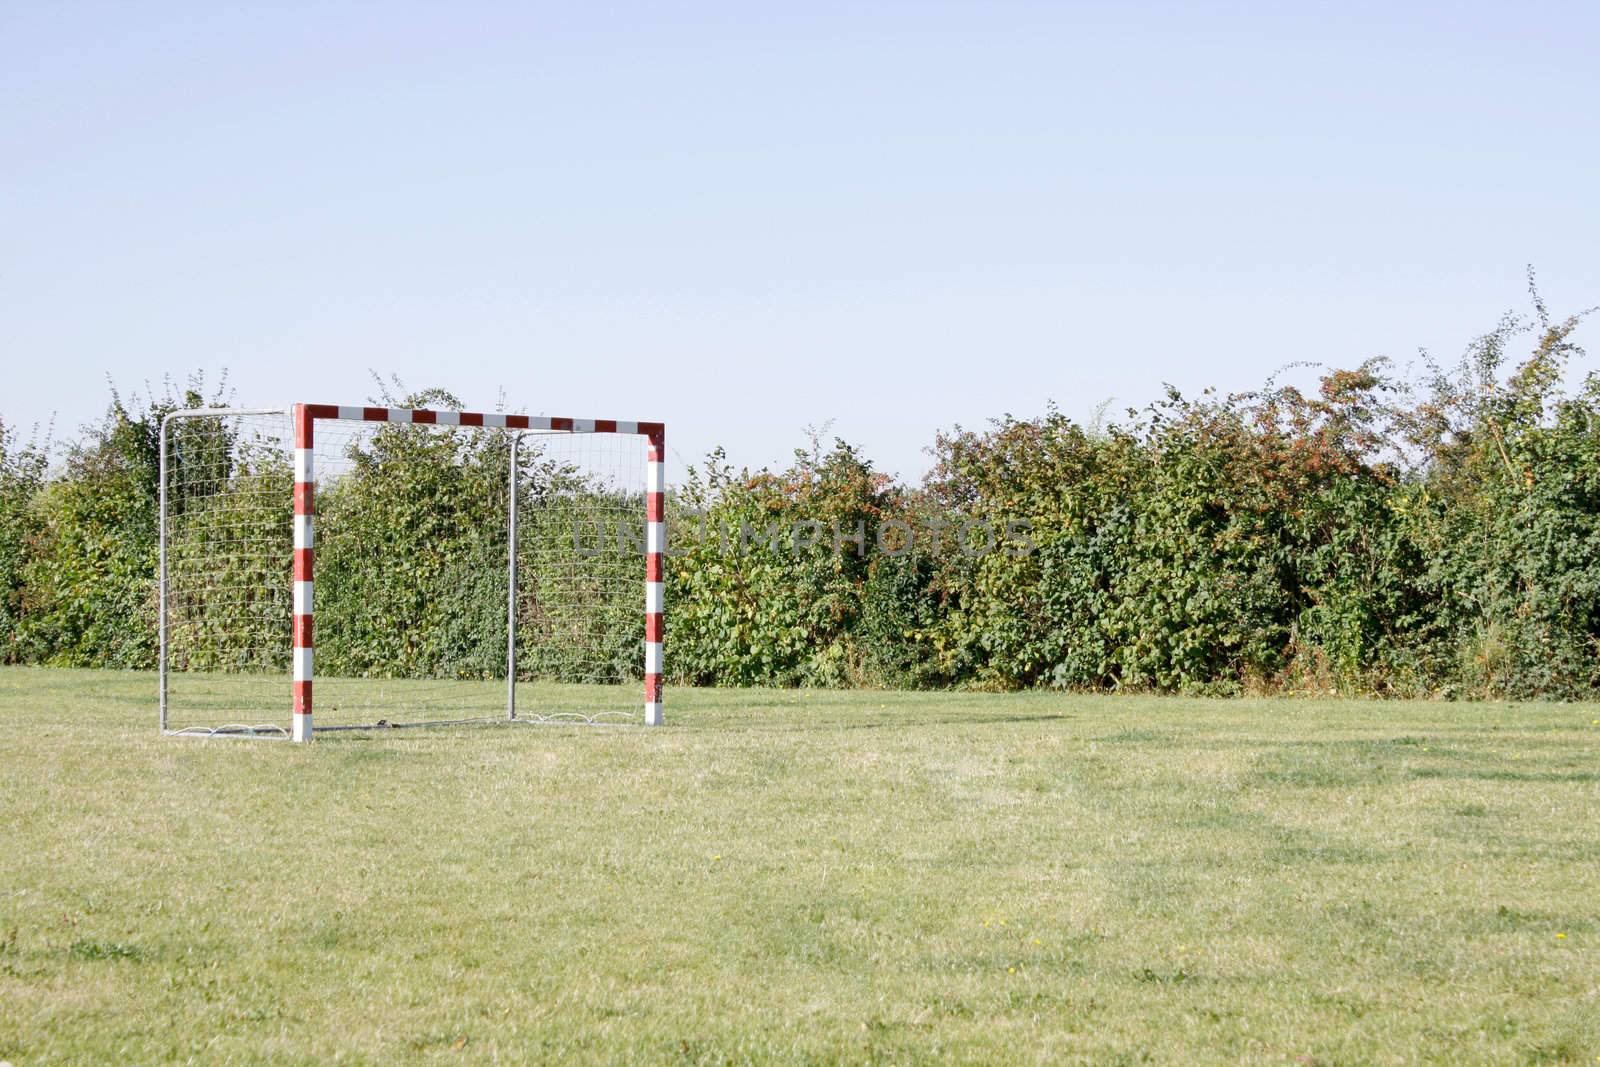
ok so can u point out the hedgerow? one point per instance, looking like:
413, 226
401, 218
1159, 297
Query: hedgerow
1377, 535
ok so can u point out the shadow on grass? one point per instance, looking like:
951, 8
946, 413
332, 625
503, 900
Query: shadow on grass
898, 722
1507, 776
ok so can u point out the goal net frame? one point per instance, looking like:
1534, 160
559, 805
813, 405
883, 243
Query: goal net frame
302, 421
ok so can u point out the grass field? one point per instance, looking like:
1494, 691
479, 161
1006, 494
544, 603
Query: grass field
806, 877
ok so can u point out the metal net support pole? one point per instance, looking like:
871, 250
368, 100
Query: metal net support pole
161, 536
511, 583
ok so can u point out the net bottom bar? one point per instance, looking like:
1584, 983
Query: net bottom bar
578, 718
571, 718
240, 732
233, 732
384, 724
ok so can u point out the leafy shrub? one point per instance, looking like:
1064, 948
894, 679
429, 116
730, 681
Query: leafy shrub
1370, 536
22, 477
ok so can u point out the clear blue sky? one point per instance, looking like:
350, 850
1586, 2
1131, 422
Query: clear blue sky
746, 218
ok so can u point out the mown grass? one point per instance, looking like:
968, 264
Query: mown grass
806, 877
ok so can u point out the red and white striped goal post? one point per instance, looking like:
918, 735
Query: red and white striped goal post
305, 418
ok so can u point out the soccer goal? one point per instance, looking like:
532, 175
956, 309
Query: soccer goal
435, 566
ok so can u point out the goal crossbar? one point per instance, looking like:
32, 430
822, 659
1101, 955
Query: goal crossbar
303, 421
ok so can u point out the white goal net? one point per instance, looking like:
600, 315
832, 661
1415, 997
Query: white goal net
461, 573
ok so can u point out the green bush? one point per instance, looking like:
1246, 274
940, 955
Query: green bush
1371, 536
88, 580
767, 571
22, 477
411, 554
